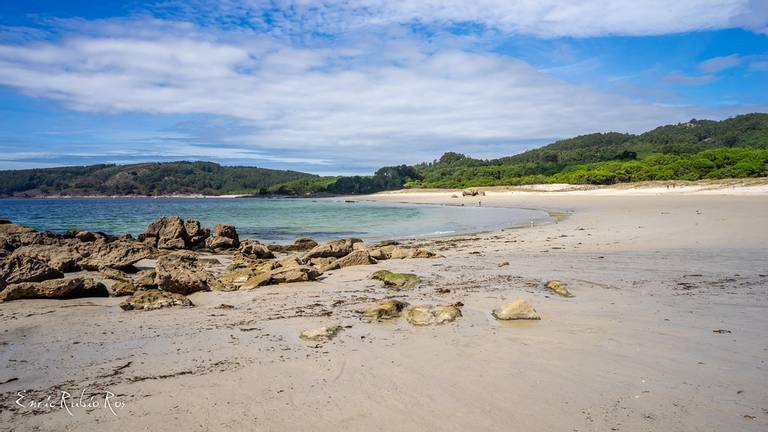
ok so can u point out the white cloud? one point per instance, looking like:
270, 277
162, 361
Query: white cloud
679, 78
546, 18
717, 64
369, 104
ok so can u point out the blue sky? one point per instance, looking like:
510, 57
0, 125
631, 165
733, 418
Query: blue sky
344, 87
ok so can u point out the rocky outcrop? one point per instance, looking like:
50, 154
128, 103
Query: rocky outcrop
472, 192
517, 310
122, 288
154, 299
387, 309
320, 334
423, 315
196, 234
396, 280
168, 232
301, 273
301, 244
59, 289
333, 249
181, 273
224, 237
355, 258
558, 288
254, 249
63, 258
116, 254
21, 268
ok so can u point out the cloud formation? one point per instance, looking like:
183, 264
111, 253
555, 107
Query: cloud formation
717, 64
542, 18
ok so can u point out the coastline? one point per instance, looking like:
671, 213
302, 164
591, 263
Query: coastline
664, 332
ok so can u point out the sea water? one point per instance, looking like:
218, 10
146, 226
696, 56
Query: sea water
267, 219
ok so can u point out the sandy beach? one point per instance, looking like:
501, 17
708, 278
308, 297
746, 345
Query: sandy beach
666, 332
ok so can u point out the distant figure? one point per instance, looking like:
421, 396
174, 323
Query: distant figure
479, 203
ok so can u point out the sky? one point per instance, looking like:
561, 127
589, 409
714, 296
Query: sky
344, 87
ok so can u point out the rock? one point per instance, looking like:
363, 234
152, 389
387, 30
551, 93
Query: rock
517, 310
114, 274
423, 253
503, 263
258, 280
21, 268
398, 280
4, 221
169, 232
390, 252
332, 249
358, 257
385, 310
122, 288
320, 334
14, 236
322, 262
4, 253
254, 249
147, 281
302, 244
234, 280
117, 254
181, 273
301, 273
559, 288
289, 261
54, 289
196, 234
471, 192
88, 236
154, 299
423, 315
62, 258
224, 237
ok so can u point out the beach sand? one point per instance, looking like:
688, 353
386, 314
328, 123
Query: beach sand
655, 273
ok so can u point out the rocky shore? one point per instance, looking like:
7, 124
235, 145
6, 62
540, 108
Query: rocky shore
634, 313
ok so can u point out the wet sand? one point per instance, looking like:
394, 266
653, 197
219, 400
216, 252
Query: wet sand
654, 274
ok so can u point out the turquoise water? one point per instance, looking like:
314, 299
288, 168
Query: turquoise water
273, 219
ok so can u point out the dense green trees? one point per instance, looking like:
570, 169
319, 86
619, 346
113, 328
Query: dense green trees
144, 179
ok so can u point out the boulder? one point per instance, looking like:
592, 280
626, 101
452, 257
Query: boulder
385, 310
63, 258
169, 232
117, 254
181, 273
146, 281
558, 288
322, 262
154, 299
302, 244
21, 268
423, 253
423, 315
397, 280
289, 261
224, 237
355, 258
390, 252
234, 280
253, 248
114, 274
320, 334
122, 288
89, 236
332, 249
196, 234
15, 236
517, 310
257, 280
302, 273
54, 289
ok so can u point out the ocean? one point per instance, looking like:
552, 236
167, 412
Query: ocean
267, 219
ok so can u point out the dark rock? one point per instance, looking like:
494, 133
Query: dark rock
20, 268
254, 249
224, 237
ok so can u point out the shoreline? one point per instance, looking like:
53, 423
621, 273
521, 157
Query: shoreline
664, 332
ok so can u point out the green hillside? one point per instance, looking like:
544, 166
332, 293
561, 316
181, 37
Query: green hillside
699, 149
144, 179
